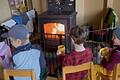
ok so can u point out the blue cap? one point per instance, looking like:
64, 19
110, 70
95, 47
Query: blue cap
116, 31
18, 32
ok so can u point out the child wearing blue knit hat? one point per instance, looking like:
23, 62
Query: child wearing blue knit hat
116, 36
113, 58
114, 54
26, 55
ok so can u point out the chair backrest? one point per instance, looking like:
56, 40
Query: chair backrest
18, 73
116, 72
82, 67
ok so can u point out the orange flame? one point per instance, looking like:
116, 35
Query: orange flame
54, 28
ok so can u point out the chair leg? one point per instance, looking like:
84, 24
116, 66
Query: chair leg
99, 76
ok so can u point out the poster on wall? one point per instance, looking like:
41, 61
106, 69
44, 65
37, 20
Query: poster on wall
20, 6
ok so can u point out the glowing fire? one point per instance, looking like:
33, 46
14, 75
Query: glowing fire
54, 28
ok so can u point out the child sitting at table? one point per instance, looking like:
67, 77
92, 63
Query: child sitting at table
114, 55
79, 55
26, 55
110, 56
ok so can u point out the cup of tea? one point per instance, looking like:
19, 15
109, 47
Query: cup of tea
61, 48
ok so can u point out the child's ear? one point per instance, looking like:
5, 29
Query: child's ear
19, 41
28, 35
72, 41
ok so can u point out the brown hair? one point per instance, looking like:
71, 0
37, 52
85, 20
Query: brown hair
78, 34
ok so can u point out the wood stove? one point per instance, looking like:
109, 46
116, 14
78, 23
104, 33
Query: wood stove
54, 29
51, 36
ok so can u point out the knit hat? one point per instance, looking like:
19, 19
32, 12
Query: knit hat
116, 31
17, 32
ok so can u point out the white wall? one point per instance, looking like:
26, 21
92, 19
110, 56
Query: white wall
5, 12
40, 5
37, 5
116, 6
92, 12
80, 11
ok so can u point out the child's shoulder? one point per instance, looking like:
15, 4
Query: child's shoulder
35, 47
88, 49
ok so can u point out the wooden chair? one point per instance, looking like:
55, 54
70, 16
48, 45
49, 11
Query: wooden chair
110, 75
116, 72
18, 73
72, 69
